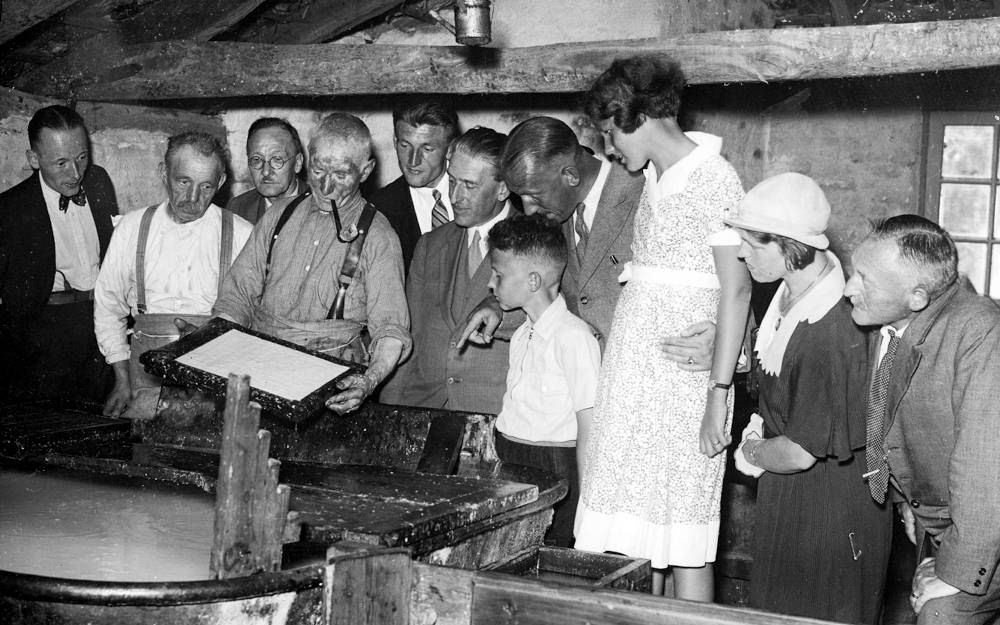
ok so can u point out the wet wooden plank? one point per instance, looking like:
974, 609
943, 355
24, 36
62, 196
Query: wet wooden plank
18, 16
367, 587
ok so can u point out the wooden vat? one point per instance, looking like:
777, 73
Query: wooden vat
426, 481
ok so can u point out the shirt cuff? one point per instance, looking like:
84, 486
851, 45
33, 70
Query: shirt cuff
393, 331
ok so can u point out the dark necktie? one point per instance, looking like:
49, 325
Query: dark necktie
79, 199
878, 465
582, 231
439, 216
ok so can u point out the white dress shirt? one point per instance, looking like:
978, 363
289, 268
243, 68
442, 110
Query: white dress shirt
182, 272
78, 250
423, 203
484, 230
594, 197
554, 364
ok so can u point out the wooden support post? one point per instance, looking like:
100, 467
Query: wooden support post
250, 506
367, 585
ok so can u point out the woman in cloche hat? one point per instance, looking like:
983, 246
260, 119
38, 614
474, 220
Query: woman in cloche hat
821, 543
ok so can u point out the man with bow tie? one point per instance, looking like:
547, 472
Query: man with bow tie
54, 230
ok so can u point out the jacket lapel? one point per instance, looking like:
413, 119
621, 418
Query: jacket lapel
610, 218
449, 268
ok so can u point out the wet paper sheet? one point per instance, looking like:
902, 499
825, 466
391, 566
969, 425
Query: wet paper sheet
272, 368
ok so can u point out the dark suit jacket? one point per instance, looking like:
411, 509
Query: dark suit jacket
27, 247
592, 288
251, 205
394, 201
436, 375
943, 411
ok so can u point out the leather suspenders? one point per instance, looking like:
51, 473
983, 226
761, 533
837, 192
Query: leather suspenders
350, 265
225, 253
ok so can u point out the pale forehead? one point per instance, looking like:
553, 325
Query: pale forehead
186, 159
337, 150
61, 140
878, 257
422, 134
271, 139
468, 167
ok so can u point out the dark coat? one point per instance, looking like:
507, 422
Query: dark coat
394, 201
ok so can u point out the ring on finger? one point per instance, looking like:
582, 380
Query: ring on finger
690, 360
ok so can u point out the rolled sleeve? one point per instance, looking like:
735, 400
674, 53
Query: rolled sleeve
111, 292
385, 295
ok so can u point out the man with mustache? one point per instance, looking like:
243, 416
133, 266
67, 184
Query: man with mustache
165, 262
448, 278
275, 159
54, 230
330, 281
417, 202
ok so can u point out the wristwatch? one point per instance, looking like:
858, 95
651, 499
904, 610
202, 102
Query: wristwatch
716, 384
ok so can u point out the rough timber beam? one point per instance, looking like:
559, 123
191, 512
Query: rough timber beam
322, 20
17, 16
186, 70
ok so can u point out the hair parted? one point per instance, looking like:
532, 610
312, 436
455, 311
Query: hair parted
345, 127
265, 123
427, 113
924, 244
483, 143
797, 255
202, 142
634, 87
56, 117
537, 143
531, 235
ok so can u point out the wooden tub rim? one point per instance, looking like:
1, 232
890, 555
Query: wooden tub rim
42, 588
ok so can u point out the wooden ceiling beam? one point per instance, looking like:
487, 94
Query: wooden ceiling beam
17, 16
317, 21
173, 70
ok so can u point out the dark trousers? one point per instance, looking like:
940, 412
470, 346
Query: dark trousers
559, 461
55, 356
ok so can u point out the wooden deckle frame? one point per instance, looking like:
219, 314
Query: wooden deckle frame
273, 368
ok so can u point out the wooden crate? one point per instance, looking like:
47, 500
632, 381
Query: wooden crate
578, 568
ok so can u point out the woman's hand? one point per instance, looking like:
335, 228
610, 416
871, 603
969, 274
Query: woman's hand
713, 437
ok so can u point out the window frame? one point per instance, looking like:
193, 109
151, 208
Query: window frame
935, 123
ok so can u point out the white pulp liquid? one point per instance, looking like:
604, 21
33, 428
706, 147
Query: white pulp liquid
84, 526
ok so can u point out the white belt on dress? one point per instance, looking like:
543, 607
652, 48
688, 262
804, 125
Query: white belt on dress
664, 275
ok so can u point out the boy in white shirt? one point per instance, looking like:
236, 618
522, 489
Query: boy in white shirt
554, 361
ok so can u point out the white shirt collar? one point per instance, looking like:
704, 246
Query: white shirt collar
674, 179
484, 229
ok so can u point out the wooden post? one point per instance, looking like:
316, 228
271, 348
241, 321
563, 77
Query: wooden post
250, 506
367, 585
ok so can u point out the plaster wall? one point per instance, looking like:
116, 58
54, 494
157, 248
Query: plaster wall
128, 141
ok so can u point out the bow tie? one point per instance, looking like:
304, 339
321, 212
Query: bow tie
79, 199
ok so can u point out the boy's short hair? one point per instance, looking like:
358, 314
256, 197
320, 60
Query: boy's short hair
534, 236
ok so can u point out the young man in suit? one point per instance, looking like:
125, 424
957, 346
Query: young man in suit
417, 201
933, 417
448, 278
275, 159
596, 201
54, 230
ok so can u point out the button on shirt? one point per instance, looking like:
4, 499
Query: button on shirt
423, 203
182, 271
594, 197
554, 364
78, 251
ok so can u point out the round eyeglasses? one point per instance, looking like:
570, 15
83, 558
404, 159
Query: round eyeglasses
276, 162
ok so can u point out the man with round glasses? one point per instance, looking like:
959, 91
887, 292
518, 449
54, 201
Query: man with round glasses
275, 158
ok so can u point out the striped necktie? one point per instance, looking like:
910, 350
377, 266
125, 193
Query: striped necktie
582, 231
439, 216
875, 456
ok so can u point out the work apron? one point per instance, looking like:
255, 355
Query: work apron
154, 330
